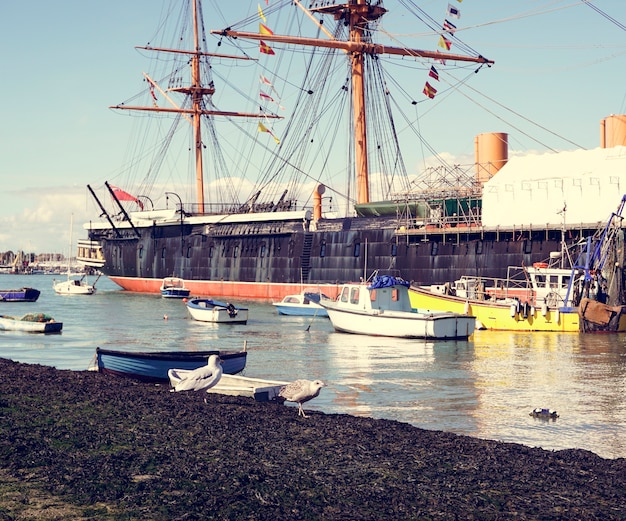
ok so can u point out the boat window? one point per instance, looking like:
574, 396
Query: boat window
163, 250
211, 251
354, 296
566, 281
553, 281
141, 252
323, 249
373, 295
236, 252
262, 251
344, 295
540, 280
357, 249
189, 252
395, 295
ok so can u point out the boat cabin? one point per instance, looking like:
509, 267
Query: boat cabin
387, 298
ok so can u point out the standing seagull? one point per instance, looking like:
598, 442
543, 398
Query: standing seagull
301, 391
200, 379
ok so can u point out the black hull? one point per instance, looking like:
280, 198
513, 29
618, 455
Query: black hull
339, 250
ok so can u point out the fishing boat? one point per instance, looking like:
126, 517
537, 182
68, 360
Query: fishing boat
173, 287
31, 323
266, 242
303, 304
382, 307
19, 295
153, 366
209, 310
576, 290
73, 286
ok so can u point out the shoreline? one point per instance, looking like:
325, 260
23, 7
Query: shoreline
81, 445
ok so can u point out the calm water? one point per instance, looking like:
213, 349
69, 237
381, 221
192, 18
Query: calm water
485, 387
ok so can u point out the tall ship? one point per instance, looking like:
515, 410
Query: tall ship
309, 187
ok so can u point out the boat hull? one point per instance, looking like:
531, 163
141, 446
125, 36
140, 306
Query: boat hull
258, 389
207, 310
19, 295
499, 317
332, 252
175, 293
439, 326
153, 366
29, 326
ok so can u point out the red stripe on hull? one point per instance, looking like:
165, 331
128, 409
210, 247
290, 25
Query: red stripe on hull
210, 288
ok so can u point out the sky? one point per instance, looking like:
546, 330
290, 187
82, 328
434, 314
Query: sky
559, 70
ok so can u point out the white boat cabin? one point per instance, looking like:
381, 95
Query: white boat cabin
391, 298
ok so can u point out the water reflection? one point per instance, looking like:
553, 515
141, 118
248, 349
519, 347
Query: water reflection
485, 387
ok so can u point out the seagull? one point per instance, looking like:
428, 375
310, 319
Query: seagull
301, 391
200, 379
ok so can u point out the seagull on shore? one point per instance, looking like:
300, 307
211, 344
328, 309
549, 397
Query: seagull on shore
200, 379
301, 391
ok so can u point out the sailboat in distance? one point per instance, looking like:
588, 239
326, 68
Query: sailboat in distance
73, 286
275, 220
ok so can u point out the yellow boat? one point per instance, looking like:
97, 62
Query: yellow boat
543, 298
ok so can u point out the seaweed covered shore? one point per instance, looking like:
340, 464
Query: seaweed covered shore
81, 445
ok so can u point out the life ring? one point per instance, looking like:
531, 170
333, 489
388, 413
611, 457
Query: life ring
540, 265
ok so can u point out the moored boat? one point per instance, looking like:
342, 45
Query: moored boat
174, 287
209, 310
153, 366
31, 323
383, 308
305, 303
19, 295
547, 296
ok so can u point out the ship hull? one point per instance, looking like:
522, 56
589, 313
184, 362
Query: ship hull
271, 259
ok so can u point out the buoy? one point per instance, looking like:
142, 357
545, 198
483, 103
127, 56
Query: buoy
544, 309
185, 299
525, 310
467, 307
513, 310
164, 317
557, 316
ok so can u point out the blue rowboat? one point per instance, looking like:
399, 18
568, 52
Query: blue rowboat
153, 366
19, 295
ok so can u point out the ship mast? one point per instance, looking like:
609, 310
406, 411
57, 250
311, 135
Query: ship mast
197, 93
357, 15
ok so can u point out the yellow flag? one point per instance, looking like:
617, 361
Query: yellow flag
261, 15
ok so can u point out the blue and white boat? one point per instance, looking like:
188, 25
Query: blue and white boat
382, 307
174, 287
304, 304
153, 366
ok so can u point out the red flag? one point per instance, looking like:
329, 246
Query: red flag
121, 195
429, 90
265, 49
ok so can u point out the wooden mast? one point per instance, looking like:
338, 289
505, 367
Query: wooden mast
357, 14
196, 103
197, 92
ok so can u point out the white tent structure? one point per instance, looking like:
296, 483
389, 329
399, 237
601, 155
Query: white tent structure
534, 189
